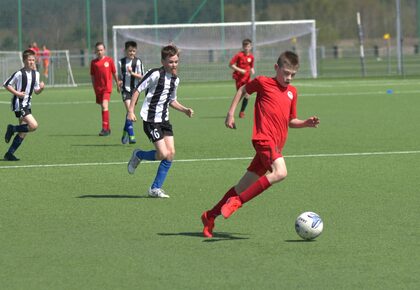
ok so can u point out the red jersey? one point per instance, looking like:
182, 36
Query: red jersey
46, 53
243, 61
102, 71
275, 106
36, 50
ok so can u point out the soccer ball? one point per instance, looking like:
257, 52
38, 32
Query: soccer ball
309, 225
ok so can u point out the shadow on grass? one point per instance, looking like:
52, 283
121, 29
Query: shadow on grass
73, 135
217, 237
299, 241
112, 196
212, 117
97, 145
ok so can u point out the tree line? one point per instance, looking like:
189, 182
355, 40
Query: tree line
63, 24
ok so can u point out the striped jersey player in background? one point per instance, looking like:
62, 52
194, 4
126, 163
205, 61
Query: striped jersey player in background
22, 84
161, 86
131, 70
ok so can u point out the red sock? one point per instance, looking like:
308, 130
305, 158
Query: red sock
105, 120
255, 189
215, 211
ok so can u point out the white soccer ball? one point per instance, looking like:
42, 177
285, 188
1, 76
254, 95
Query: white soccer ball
309, 225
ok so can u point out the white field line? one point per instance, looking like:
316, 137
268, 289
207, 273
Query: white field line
230, 97
214, 159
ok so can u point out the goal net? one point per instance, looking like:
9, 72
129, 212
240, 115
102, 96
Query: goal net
10, 61
207, 48
59, 72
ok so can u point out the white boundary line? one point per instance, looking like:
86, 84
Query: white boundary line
214, 159
227, 97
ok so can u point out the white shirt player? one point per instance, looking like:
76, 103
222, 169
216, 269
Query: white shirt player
23, 80
161, 88
128, 80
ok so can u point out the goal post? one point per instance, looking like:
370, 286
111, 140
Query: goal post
10, 61
206, 48
60, 73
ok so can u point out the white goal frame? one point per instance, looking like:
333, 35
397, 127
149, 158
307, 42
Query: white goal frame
11, 61
307, 54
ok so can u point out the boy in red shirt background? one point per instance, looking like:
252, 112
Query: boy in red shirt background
102, 70
242, 64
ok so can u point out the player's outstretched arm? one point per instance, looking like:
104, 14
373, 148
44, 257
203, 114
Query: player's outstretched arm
130, 114
134, 74
41, 88
114, 75
12, 90
238, 69
179, 107
230, 119
311, 122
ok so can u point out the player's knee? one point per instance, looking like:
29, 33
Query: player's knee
33, 126
170, 155
166, 155
279, 175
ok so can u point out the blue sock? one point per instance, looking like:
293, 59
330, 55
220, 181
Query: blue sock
147, 155
161, 174
129, 127
15, 144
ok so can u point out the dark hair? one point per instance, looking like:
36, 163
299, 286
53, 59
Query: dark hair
99, 43
169, 51
27, 53
130, 43
288, 59
246, 41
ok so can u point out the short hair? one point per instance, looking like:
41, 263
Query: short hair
130, 43
169, 51
27, 53
99, 43
246, 41
288, 59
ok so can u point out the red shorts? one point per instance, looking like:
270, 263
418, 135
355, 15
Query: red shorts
102, 97
241, 82
266, 153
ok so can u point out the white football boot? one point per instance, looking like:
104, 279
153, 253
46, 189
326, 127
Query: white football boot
157, 192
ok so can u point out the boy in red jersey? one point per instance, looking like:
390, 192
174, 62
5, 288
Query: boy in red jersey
102, 70
242, 64
45, 55
275, 111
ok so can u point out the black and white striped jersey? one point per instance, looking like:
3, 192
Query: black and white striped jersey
160, 88
129, 82
23, 81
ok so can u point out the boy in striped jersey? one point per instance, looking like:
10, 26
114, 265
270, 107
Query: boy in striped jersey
160, 85
131, 71
22, 84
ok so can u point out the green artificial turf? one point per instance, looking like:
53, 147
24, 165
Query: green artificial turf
71, 217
